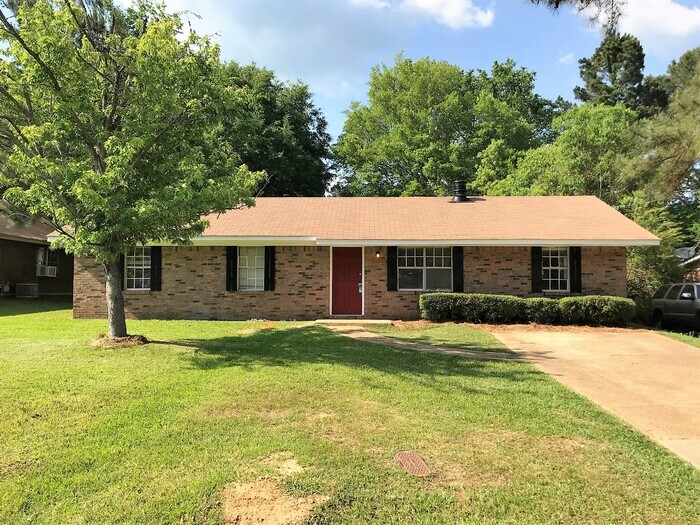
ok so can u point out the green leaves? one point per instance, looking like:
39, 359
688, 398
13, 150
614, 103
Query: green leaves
114, 126
426, 123
585, 159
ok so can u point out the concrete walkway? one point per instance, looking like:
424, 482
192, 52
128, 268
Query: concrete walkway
358, 332
649, 380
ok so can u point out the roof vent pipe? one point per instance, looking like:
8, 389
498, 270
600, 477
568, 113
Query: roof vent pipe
460, 191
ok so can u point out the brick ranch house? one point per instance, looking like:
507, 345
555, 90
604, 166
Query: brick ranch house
371, 257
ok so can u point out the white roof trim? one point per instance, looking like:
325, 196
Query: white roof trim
491, 242
220, 240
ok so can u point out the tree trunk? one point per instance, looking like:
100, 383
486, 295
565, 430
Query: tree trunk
115, 299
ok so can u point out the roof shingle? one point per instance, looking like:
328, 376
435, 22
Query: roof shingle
482, 220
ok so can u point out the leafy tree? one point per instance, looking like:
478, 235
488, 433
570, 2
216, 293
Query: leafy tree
681, 72
585, 159
284, 134
614, 74
649, 267
516, 87
111, 119
426, 123
496, 162
669, 145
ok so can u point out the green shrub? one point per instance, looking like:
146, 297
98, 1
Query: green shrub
542, 310
596, 310
439, 307
472, 308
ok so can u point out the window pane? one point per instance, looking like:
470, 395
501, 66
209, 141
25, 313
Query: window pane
251, 265
438, 279
555, 269
410, 279
673, 292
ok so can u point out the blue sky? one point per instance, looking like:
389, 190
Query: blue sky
332, 44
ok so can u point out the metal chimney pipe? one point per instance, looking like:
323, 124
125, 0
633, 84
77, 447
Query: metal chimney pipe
460, 194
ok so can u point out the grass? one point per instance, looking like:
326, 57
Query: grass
152, 434
683, 337
441, 334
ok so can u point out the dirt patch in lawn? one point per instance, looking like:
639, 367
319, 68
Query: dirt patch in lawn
263, 502
285, 462
265, 326
105, 342
14, 467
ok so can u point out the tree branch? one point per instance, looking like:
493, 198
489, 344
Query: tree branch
10, 29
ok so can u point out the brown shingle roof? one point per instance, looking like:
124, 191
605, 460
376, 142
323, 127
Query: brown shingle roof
33, 231
482, 220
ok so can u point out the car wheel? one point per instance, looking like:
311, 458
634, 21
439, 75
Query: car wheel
657, 320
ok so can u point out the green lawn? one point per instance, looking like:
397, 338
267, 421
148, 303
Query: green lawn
152, 434
442, 334
683, 338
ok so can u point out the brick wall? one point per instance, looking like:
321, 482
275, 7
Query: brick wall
604, 270
193, 283
380, 304
194, 287
497, 269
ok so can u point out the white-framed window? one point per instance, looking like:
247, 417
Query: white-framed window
555, 269
137, 274
251, 268
47, 262
425, 268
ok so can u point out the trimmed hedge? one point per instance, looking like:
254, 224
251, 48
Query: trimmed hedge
472, 308
542, 310
596, 310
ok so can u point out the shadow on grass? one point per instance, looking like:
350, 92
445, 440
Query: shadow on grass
14, 306
318, 345
436, 341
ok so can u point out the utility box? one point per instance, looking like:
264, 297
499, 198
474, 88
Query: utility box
26, 290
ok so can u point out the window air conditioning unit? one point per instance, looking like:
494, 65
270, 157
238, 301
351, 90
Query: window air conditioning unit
46, 271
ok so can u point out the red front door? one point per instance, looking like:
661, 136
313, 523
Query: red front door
347, 281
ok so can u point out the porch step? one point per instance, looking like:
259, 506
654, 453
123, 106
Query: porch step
352, 322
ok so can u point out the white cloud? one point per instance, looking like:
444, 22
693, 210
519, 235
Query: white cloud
665, 27
565, 58
456, 14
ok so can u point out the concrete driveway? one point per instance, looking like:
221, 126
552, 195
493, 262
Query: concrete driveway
649, 380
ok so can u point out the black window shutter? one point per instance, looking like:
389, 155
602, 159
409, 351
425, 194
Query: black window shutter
457, 269
575, 269
269, 284
392, 262
536, 258
231, 268
122, 268
156, 265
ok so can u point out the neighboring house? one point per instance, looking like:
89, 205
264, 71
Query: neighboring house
372, 257
691, 264
25, 257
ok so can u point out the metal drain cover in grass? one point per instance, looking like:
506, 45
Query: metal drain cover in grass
412, 463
